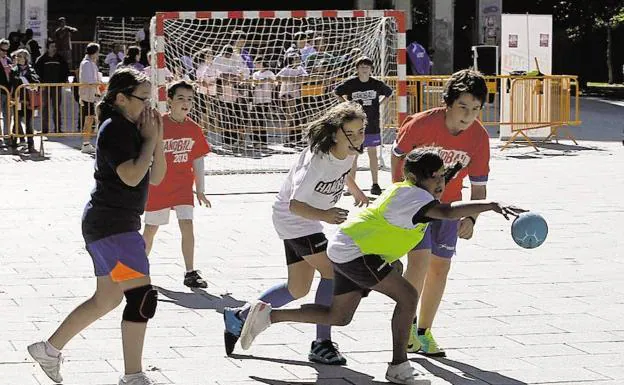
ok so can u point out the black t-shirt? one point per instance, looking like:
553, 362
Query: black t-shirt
367, 94
114, 207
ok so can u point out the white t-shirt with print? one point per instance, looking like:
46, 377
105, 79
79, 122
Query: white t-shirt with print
262, 91
289, 87
207, 73
404, 205
316, 179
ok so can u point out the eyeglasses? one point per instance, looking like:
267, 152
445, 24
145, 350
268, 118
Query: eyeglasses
144, 100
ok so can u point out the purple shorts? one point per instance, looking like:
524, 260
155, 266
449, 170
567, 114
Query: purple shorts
441, 238
122, 256
372, 140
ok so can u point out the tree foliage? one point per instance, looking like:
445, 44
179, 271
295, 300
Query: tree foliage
580, 17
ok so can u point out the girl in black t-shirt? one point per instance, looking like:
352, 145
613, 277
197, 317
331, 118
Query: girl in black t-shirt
129, 155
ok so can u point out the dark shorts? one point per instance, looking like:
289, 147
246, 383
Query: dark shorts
298, 248
122, 256
372, 140
441, 238
360, 274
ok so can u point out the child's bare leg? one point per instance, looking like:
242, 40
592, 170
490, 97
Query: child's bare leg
188, 243
339, 314
374, 164
107, 296
133, 332
406, 298
148, 235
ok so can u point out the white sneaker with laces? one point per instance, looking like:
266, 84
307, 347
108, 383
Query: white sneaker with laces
257, 321
87, 148
401, 374
50, 364
136, 379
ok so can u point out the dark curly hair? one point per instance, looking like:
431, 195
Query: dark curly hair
467, 80
322, 132
422, 163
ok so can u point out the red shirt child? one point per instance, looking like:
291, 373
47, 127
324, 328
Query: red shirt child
471, 148
183, 142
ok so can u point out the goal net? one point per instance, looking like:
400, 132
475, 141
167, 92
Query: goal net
111, 31
261, 77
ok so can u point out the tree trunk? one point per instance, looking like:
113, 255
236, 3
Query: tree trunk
609, 56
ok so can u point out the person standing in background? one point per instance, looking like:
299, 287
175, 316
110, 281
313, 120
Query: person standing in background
62, 37
52, 68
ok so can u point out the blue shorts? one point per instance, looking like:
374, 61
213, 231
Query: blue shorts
440, 237
122, 256
372, 140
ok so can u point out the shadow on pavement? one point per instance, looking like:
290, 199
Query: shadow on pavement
199, 299
469, 374
327, 374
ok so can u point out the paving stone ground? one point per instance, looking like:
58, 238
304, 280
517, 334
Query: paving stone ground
509, 317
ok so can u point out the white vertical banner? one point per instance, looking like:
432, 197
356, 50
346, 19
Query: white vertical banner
524, 38
36, 18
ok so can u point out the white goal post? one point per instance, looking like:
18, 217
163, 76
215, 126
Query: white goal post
255, 122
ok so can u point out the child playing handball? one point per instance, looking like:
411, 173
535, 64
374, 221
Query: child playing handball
370, 93
185, 147
129, 155
362, 252
308, 197
455, 130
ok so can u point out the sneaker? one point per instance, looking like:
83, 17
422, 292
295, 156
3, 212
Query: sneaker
233, 326
401, 374
136, 379
50, 364
257, 321
429, 347
193, 279
375, 189
87, 148
413, 344
326, 352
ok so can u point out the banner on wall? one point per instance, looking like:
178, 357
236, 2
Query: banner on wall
36, 18
525, 39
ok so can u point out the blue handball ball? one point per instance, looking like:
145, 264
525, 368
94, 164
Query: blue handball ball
529, 230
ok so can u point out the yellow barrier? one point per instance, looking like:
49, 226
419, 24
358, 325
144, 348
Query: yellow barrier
542, 102
533, 102
52, 110
5, 109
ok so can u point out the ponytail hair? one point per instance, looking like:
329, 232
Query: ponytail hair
131, 54
322, 132
124, 81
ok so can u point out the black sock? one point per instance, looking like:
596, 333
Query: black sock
415, 321
421, 331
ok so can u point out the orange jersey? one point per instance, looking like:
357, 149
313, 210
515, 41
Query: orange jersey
471, 148
184, 142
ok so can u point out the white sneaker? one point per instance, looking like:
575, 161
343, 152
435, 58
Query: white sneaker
50, 364
401, 374
136, 379
258, 319
87, 148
